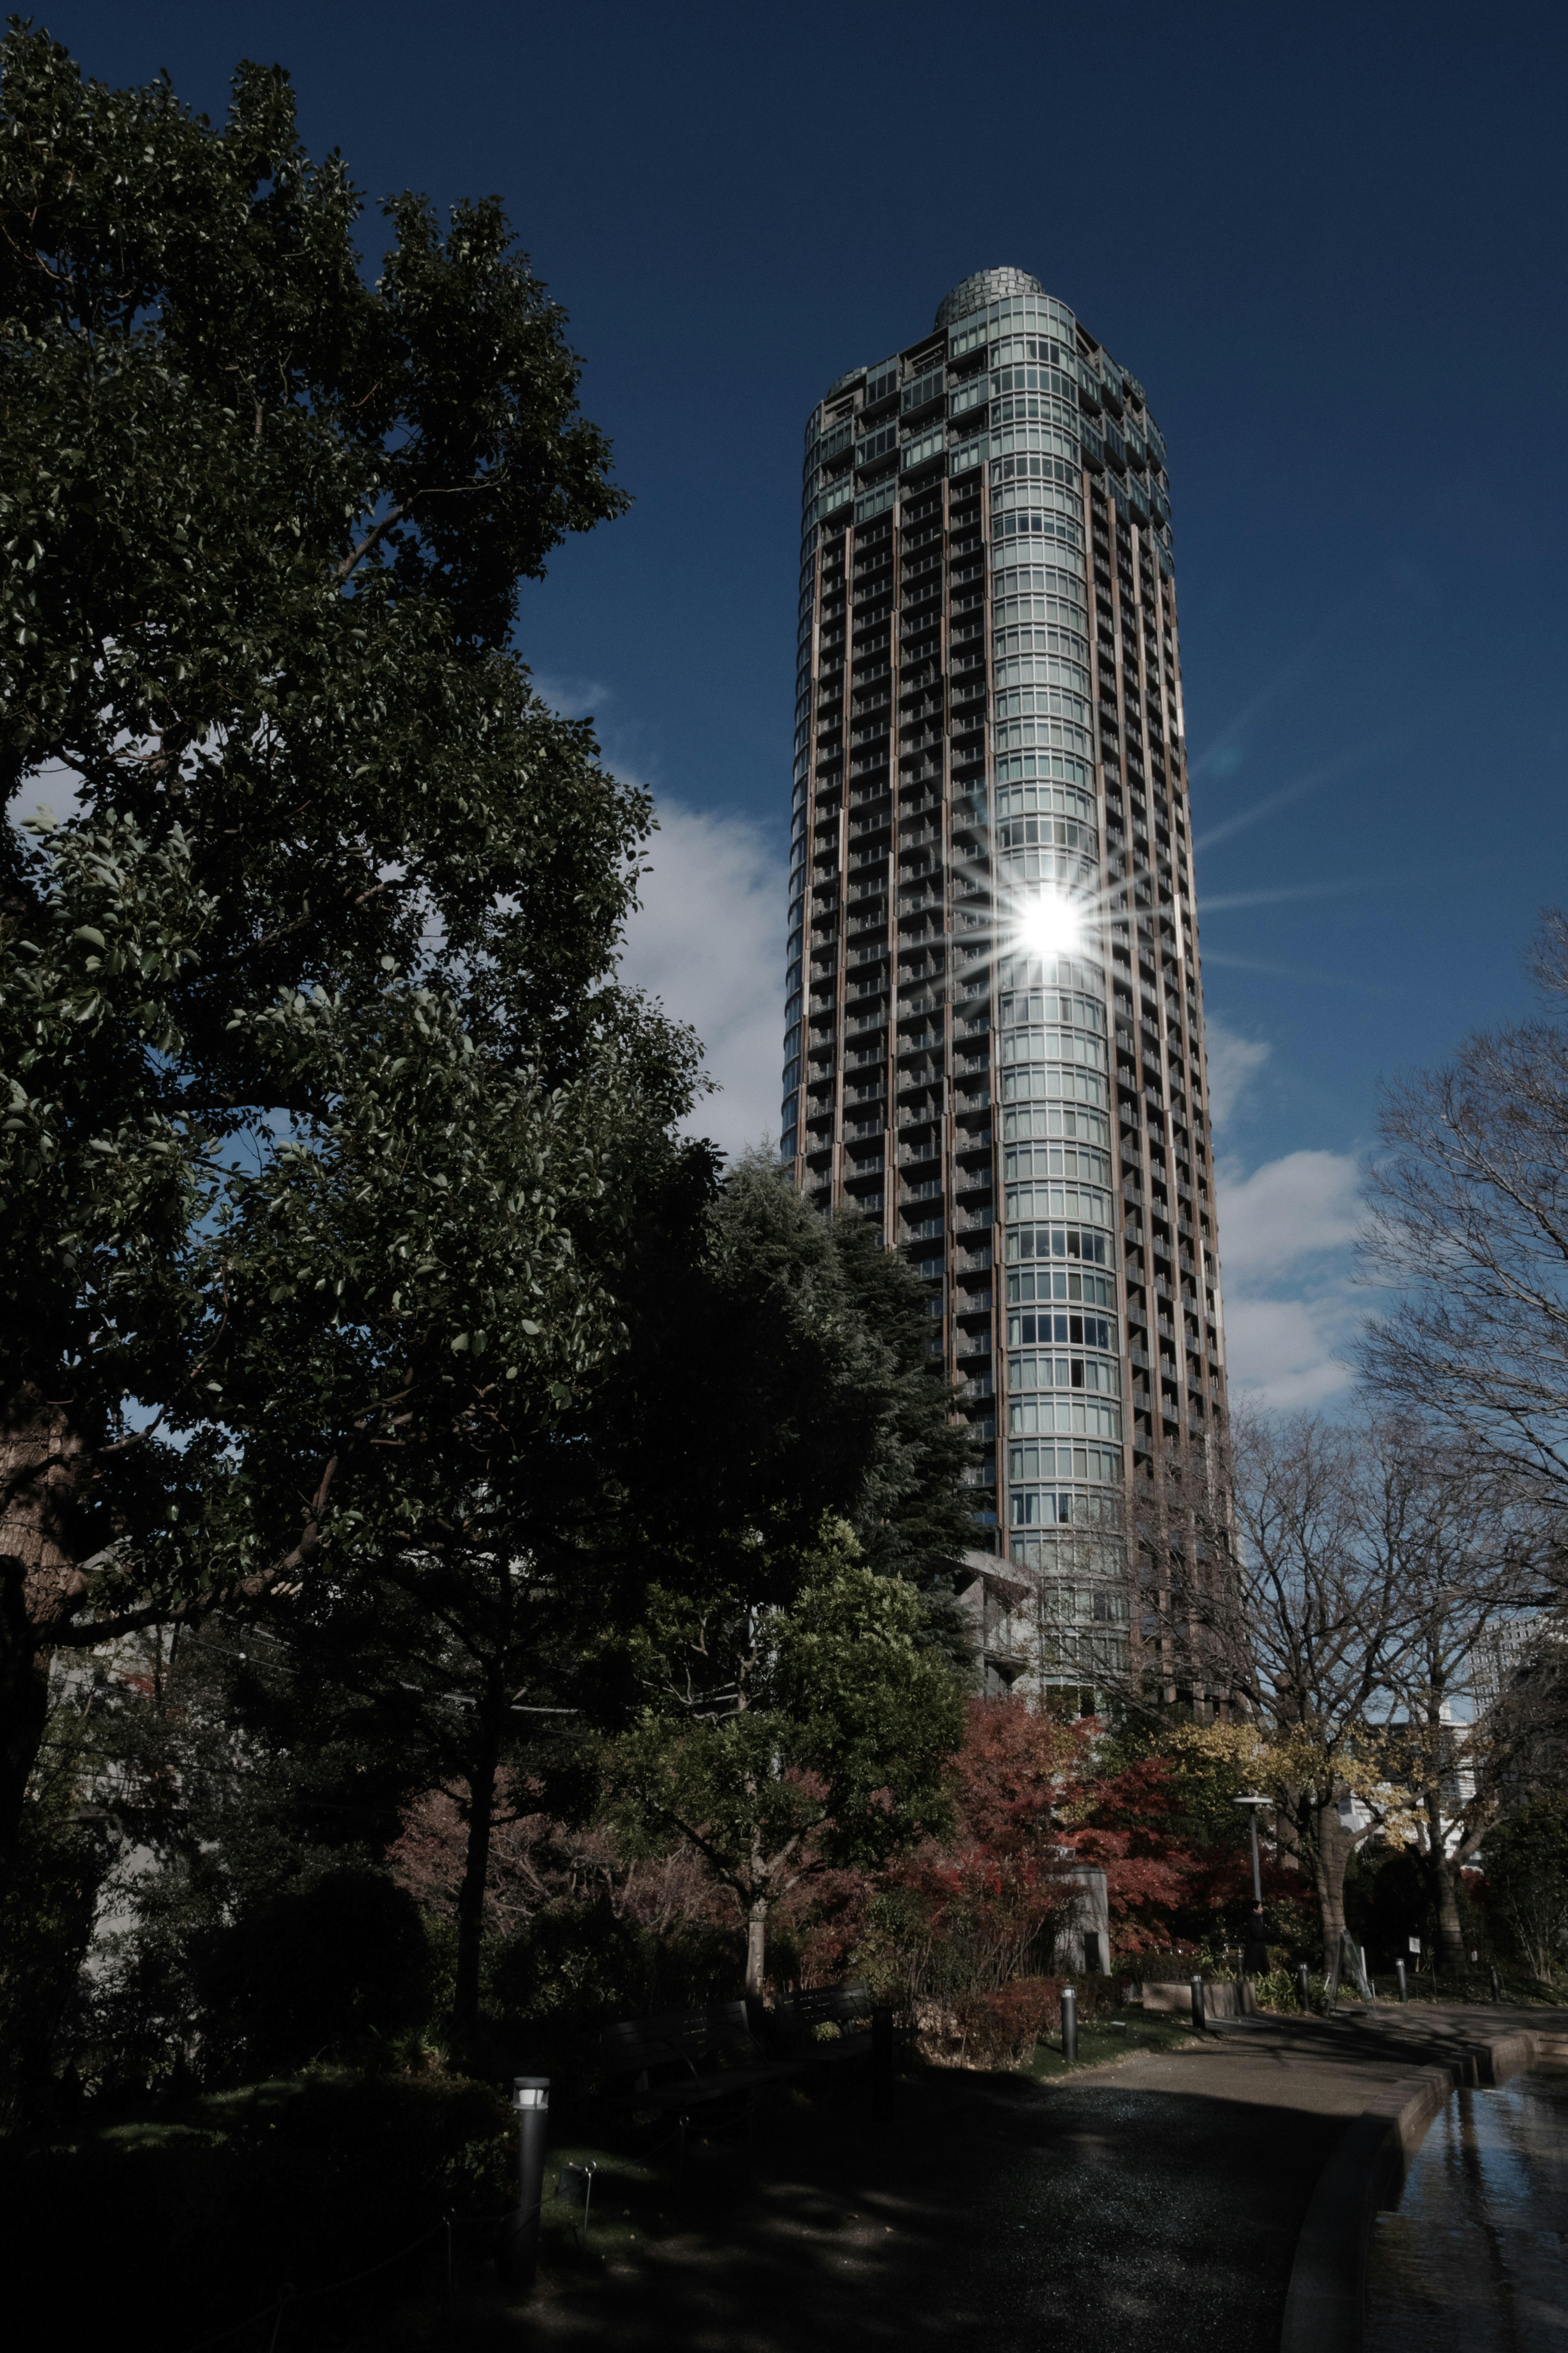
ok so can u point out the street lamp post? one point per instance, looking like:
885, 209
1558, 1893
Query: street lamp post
1252, 1802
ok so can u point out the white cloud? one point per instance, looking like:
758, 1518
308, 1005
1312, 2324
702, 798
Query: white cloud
1287, 1210
1286, 1352
573, 697
52, 790
1289, 1226
709, 943
1233, 1061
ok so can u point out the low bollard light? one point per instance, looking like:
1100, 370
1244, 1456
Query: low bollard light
574, 2181
1404, 1981
1200, 2018
1303, 1986
1069, 2025
518, 2257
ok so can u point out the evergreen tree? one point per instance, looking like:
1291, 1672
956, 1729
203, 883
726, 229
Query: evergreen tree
787, 1740
534, 1526
777, 1370
330, 893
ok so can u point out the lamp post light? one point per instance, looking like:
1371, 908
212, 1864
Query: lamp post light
1252, 1802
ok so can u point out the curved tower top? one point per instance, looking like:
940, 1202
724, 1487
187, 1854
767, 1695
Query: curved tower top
985, 287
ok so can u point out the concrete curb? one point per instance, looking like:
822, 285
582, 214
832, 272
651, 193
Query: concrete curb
1323, 2305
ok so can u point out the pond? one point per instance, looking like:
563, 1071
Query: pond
1475, 2255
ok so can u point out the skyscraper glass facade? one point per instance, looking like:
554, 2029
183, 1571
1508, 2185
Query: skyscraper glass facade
994, 1044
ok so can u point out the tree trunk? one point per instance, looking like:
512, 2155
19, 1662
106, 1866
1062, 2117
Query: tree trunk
1332, 1846
472, 1894
43, 1462
1452, 1948
756, 1946
1450, 1932
1450, 1928
23, 1711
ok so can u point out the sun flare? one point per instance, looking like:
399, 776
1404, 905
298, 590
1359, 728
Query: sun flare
1051, 925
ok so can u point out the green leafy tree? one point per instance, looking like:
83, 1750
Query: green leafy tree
226, 1795
777, 1370
263, 527
1527, 1883
787, 1740
436, 1322
698, 1377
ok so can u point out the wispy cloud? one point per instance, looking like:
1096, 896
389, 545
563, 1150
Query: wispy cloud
1285, 1236
1290, 1354
1286, 1232
1291, 674
1313, 781
1234, 1062
573, 697
1326, 978
709, 942
1337, 887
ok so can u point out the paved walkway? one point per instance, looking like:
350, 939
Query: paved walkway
1150, 2207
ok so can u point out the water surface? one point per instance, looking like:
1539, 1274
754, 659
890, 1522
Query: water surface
1475, 2256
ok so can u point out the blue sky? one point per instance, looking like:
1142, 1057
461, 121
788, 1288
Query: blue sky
1330, 244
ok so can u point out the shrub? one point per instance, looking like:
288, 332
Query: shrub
581, 1965
1275, 1989
45, 1930
306, 2180
315, 1969
1001, 2029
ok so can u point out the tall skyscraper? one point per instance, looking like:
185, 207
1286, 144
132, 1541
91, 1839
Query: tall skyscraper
993, 1042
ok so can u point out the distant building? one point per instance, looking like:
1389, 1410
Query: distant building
995, 1037
1518, 1683
1508, 1657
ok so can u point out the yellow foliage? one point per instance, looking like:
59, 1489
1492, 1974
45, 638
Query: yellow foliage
1216, 1761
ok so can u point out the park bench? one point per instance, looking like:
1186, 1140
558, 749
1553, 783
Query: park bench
687, 2062
800, 2018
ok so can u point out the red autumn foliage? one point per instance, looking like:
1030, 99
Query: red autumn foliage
1122, 1823
979, 1912
536, 1860
1032, 1804
1001, 2029
1009, 1776
1002, 1887
1030, 1796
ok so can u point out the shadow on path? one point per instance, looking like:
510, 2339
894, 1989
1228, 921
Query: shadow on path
989, 2212
1153, 2206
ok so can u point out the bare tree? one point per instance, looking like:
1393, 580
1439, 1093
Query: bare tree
1469, 1222
1468, 1563
1291, 1585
